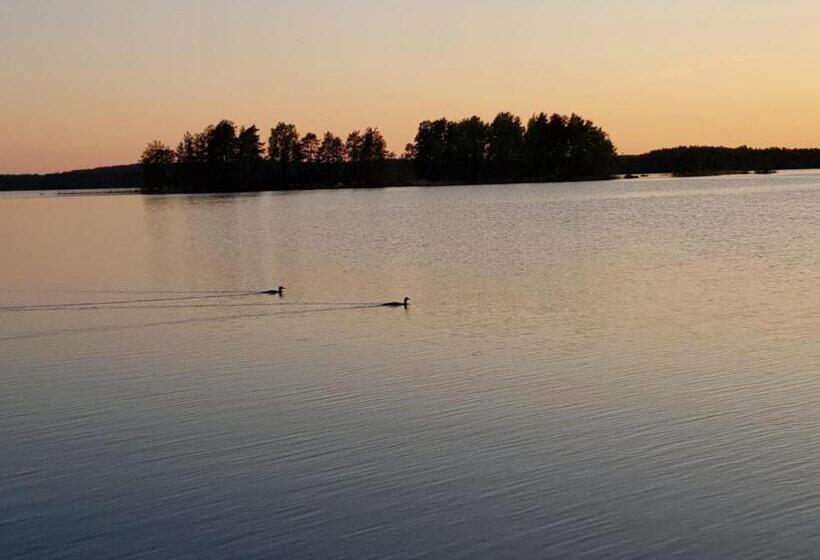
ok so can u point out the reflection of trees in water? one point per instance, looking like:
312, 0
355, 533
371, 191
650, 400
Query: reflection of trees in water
209, 242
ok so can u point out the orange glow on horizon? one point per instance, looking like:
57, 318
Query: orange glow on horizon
90, 86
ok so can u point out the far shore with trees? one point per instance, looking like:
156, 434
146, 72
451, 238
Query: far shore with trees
691, 161
224, 157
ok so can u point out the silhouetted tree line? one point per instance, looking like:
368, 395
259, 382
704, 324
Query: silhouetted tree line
686, 160
553, 147
222, 157
682, 161
113, 177
549, 148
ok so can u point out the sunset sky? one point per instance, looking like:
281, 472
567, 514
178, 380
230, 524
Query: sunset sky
85, 83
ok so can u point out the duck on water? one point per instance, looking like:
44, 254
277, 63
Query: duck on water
397, 303
277, 292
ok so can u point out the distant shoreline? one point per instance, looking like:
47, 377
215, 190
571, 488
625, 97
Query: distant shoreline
714, 173
677, 162
120, 191
34, 193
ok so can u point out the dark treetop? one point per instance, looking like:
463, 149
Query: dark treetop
548, 148
226, 158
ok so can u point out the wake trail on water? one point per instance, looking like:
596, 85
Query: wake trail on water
64, 291
193, 320
101, 304
133, 304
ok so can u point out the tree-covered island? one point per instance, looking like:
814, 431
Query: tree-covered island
224, 157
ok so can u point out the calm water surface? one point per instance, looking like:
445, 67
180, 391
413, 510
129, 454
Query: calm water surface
619, 370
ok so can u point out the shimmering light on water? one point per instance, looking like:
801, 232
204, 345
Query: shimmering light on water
622, 370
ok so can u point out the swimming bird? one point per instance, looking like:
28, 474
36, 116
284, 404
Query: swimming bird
278, 292
397, 303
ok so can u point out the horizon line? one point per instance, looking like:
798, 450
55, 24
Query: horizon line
137, 163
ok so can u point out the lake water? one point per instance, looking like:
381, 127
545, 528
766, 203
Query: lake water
626, 369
